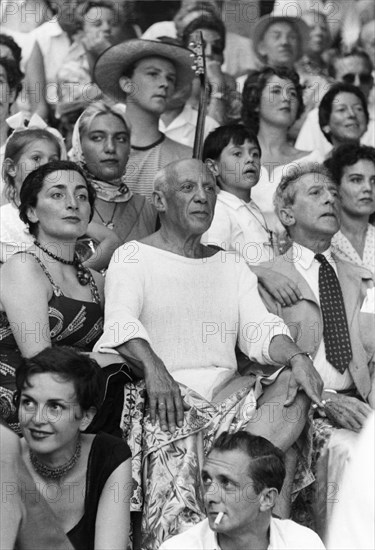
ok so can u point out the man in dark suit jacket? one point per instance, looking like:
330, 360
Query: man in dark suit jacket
308, 205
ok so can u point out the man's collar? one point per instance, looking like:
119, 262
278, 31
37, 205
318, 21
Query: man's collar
54, 28
231, 200
305, 256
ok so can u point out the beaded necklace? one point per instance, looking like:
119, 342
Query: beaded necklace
84, 275
57, 472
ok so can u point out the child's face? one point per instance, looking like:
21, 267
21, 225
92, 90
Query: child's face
238, 167
99, 24
37, 153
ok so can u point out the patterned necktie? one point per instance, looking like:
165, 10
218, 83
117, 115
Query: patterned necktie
335, 325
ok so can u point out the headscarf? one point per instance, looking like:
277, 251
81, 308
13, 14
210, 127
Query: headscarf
104, 190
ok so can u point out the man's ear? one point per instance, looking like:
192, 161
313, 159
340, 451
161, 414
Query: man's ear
159, 201
212, 166
267, 499
261, 49
126, 85
87, 418
286, 216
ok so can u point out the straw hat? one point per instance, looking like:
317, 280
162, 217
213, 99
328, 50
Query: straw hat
266, 21
116, 60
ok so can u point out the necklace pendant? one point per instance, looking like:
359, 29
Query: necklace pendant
110, 225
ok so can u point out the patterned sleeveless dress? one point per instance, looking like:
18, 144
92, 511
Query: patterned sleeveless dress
71, 323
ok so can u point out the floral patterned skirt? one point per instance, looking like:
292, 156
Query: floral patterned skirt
166, 467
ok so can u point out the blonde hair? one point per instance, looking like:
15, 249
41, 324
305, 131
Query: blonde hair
14, 148
100, 108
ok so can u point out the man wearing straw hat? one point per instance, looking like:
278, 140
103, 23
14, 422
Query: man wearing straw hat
146, 75
278, 41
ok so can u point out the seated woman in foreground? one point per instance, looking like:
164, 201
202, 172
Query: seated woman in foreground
47, 295
58, 394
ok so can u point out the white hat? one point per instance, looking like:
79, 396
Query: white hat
266, 21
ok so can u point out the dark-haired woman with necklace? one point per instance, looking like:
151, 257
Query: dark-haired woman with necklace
47, 296
86, 479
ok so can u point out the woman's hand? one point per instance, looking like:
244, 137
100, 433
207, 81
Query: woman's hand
108, 242
95, 43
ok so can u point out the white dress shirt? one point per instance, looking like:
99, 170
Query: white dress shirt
182, 128
240, 226
284, 534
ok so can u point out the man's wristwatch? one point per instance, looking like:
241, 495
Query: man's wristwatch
298, 353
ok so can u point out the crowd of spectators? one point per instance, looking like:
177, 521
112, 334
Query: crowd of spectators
187, 333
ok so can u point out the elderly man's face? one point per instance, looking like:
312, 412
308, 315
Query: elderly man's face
191, 198
228, 488
280, 45
315, 213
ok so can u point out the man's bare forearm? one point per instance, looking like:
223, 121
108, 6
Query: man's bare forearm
139, 354
282, 348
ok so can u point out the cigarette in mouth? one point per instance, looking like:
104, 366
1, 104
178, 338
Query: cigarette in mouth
218, 519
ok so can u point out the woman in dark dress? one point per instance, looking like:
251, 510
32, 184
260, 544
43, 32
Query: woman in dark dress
86, 479
47, 297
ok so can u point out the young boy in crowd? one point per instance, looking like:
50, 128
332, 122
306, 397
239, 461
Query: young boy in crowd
233, 154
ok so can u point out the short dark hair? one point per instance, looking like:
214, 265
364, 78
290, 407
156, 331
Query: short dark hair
325, 106
204, 21
338, 55
267, 466
221, 136
345, 155
253, 88
71, 365
9, 42
14, 74
34, 182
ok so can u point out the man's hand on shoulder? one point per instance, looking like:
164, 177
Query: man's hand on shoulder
281, 288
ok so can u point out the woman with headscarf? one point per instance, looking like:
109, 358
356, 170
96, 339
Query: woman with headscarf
101, 145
